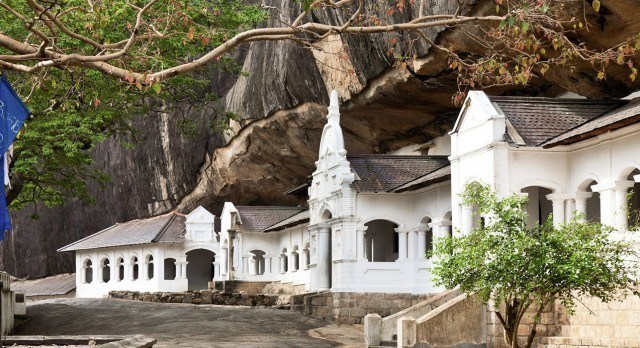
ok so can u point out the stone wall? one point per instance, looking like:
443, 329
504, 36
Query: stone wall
547, 326
350, 307
616, 320
237, 286
594, 323
200, 297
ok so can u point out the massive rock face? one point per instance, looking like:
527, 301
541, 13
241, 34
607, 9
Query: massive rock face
282, 104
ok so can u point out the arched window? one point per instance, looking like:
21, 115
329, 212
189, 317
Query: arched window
87, 270
106, 270
169, 269
381, 241
256, 262
134, 268
149, 265
120, 264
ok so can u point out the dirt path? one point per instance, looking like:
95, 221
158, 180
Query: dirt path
186, 325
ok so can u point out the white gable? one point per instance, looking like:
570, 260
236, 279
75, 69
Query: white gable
200, 214
200, 225
477, 109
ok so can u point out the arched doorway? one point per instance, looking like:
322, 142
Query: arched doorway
200, 269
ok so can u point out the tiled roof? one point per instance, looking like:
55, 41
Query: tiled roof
539, 119
167, 228
614, 119
436, 176
50, 286
256, 219
382, 173
297, 219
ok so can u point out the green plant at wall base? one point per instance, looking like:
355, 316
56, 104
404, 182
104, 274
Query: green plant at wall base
525, 269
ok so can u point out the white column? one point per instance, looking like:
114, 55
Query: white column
613, 203
581, 203
368, 246
440, 229
113, 269
267, 261
324, 258
466, 223
224, 261
360, 246
253, 270
245, 264
402, 243
412, 248
569, 208
621, 204
422, 243
558, 207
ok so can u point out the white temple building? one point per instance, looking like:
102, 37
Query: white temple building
369, 221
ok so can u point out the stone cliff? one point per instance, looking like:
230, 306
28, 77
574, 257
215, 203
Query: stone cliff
282, 104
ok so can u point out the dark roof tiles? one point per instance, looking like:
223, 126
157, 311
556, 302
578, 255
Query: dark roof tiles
382, 173
539, 119
167, 228
259, 218
614, 119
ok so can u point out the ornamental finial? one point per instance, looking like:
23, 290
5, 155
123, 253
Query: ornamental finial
334, 107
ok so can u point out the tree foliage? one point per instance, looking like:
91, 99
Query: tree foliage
75, 107
526, 268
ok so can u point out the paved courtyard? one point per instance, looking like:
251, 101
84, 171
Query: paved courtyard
186, 325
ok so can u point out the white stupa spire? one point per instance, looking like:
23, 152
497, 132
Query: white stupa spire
334, 108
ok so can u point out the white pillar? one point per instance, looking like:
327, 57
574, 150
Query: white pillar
558, 207
440, 229
466, 223
402, 243
422, 243
267, 261
368, 246
581, 203
324, 258
113, 269
245, 264
613, 203
253, 270
621, 204
360, 243
224, 261
412, 240
569, 208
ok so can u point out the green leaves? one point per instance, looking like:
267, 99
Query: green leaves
509, 261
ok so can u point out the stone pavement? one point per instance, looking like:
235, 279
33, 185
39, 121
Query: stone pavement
186, 325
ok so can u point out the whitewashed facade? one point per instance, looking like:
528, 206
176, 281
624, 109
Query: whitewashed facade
371, 219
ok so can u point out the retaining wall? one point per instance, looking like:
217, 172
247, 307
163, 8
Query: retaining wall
200, 297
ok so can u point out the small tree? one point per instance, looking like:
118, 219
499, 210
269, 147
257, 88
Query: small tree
525, 268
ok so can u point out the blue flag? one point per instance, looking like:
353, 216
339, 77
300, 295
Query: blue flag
13, 113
